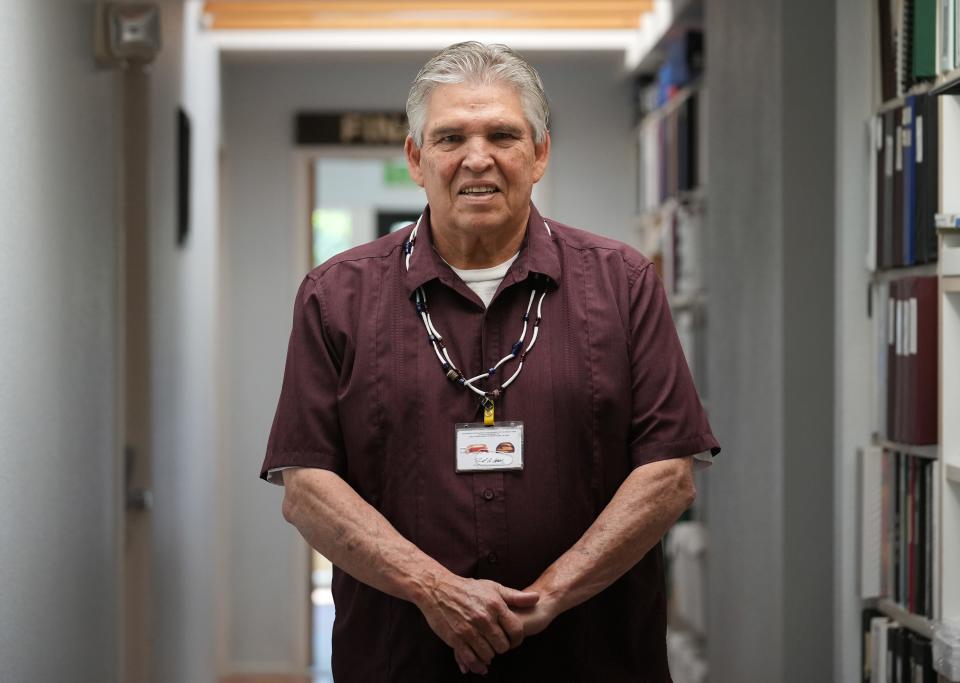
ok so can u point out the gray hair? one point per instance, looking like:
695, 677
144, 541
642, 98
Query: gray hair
476, 62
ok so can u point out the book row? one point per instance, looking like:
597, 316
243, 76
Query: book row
894, 654
905, 187
918, 41
899, 529
668, 152
905, 317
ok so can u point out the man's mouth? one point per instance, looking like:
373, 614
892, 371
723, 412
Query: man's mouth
479, 190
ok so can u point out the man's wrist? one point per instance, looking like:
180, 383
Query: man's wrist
422, 584
553, 594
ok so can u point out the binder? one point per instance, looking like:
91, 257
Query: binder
896, 666
888, 63
923, 395
892, 366
879, 305
920, 578
897, 388
909, 179
924, 39
898, 185
874, 257
905, 397
871, 528
913, 509
904, 530
866, 642
889, 154
922, 209
889, 531
897, 517
929, 168
879, 628
947, 25
929, 538
921, 660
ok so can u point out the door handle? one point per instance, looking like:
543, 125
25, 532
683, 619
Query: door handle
139, 500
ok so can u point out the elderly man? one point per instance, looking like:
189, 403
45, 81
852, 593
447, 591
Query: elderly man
486, 421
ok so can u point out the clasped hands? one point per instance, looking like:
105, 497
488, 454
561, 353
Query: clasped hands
480, 619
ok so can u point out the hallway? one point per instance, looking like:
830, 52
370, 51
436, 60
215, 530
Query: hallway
162, 211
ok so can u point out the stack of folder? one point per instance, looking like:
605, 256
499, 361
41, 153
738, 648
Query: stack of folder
669, 113
669, 149
899, 529
907, 372
917, 41
894, 654
906, 183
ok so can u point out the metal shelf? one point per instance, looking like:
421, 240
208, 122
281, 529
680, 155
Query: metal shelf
909, 620
681, 302
896, 103
947, 84
950, 283
668, 107
931, 452
890, 274
952, 472
694, 197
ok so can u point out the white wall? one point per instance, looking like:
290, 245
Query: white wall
187, 479
770, 267
58, 291
854, 101
591, 185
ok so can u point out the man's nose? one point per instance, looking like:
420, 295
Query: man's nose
477, 157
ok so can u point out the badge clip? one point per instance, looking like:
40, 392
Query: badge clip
487, 412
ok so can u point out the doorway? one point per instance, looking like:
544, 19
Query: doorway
355, 196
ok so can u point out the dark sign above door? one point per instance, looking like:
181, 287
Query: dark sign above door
351, 128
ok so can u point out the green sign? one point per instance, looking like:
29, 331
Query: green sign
395, 173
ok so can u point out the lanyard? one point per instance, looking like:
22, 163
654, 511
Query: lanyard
443, 355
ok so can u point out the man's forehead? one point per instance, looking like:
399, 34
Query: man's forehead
458, 104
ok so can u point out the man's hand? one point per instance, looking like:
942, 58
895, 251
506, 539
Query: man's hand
475, 617
536, 619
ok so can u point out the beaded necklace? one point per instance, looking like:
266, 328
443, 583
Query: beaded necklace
449, 368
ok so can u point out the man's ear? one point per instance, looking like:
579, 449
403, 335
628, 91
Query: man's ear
541, 155
412, 153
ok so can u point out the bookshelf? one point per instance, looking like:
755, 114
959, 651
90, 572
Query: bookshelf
671, 200
671, 205
910, 526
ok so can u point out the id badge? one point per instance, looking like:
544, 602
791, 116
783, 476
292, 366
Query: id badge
484, 449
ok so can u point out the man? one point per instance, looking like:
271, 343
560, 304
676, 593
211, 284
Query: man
450, 558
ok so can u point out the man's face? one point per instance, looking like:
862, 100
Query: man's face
478, 162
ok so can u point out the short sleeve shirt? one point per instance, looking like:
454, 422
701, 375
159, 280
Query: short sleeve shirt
606, 389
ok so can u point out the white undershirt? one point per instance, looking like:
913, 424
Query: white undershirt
484, 281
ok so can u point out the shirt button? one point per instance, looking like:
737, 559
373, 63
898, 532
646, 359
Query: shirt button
488, 494
492, 558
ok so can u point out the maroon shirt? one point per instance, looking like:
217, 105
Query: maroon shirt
605, 389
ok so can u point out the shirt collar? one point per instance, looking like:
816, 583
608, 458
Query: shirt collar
538, 254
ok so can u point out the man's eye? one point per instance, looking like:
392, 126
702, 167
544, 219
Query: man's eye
502, 135
450, 139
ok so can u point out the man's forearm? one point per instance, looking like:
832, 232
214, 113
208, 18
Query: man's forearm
474, 617
348, 531
643, 509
